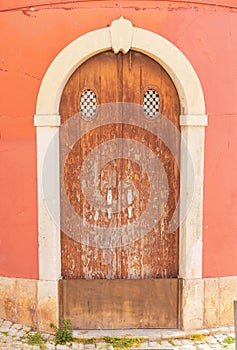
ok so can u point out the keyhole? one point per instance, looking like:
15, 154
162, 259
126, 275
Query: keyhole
129, 212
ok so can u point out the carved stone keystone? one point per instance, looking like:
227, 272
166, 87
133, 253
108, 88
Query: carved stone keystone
121, 31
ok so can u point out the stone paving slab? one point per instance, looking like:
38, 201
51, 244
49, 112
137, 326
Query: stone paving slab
15, 336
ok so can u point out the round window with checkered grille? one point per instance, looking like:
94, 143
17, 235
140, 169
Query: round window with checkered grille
88, 104
151, 103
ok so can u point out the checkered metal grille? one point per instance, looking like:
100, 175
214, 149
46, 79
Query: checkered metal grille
88, 104
151, 103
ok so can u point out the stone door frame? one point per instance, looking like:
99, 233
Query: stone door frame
123, 36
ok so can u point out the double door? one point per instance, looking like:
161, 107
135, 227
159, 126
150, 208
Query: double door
119, 193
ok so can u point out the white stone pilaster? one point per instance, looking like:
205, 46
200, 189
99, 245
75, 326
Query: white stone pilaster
48, 200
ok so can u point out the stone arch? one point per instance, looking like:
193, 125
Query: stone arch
149, 43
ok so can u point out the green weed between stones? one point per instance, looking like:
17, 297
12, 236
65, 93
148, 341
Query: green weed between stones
228, 340
116, 342
85, 341
63, 335
124, 342
5, 333
36, 339
197, 337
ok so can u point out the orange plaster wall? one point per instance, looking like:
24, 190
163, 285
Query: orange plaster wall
29, 42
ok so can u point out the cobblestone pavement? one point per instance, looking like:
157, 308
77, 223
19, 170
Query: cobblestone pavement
16, 336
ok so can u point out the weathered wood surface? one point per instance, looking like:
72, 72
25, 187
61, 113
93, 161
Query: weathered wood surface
111, 304
155, 255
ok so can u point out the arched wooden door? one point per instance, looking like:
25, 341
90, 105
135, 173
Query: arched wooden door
113, 277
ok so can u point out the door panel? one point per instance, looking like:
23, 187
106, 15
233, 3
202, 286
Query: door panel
152, 256
91, 304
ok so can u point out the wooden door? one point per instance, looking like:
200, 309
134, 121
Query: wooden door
129, 279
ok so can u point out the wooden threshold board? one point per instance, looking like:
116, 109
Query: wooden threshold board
119, 304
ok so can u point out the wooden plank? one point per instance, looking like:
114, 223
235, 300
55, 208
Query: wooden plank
120, 304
